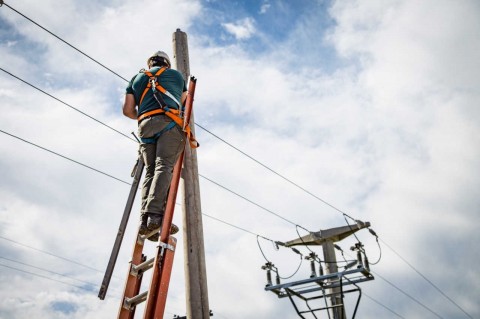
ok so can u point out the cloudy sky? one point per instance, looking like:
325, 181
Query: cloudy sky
371, 107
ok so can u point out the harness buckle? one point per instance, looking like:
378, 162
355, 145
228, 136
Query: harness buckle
153, 81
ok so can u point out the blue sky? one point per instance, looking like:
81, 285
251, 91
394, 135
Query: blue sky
261, 27
370, 105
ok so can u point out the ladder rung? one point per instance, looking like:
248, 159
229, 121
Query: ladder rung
141, 238
136, 269
131, 303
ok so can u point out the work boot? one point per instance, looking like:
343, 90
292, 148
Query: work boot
142, 230
154, 221
173, 230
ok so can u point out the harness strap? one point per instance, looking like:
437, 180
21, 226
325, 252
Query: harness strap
150, 113
172, 114
149, 85
179, 121
153, 139
176, 120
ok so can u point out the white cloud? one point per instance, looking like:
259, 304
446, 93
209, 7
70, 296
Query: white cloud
264, 8
241, 29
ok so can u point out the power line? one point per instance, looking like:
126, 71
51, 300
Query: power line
380, 304
248, 200
52, 254
409, 296
70, 106
231, 225
426, 279
59, 38
49, 271
65, 157
405, 293
275, 172
45, 277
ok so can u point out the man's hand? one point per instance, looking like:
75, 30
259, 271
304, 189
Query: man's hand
129, 107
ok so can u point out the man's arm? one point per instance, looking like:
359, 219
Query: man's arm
129, 107
184, 97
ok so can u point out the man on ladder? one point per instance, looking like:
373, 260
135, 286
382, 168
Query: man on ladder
155, 98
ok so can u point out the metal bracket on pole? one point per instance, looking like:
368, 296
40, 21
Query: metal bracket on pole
164, 246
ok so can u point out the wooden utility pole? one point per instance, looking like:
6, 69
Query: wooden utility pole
194, 251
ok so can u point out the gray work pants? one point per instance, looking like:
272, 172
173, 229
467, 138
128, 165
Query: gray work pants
159, 159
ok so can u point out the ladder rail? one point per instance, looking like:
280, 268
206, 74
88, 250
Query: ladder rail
153, 294
121, 230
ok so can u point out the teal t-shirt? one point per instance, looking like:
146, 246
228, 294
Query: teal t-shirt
170, 79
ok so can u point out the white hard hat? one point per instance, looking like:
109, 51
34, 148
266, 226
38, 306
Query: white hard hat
159, 54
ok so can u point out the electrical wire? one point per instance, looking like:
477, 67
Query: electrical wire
65, 157
268, 261
70, 106
231, 225
380, 254
380, 304
248, 200
59, 38
406, 294
300, 237
274, 172
258, 243
351, 229
45, 277
49, 271
427, 280
52, 254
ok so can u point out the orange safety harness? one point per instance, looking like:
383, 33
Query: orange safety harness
174, 114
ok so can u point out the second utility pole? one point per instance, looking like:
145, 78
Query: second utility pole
196, 291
